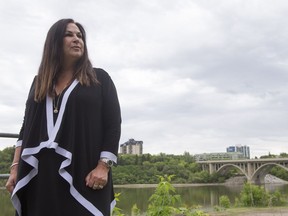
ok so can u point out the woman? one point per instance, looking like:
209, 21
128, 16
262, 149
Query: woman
70, 133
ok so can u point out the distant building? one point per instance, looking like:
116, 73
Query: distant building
245, 150
219, 156
132, 147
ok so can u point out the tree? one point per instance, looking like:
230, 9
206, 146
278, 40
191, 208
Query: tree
6, 157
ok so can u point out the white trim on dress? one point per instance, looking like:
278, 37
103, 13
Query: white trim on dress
18, 143
109, 155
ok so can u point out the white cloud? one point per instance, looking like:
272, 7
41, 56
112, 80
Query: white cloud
192, 76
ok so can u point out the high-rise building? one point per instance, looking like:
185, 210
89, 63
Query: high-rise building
132, 147
245, 150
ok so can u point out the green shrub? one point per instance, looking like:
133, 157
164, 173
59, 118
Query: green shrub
276, 199
117, 211
224, 202
135, 211
164, 198
237, 202
199, 213
253, 195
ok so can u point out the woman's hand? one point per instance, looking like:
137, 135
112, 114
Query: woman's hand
98, 177
11, 182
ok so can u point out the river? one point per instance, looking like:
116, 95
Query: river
206, 196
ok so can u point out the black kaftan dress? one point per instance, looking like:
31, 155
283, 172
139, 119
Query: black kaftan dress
59, 151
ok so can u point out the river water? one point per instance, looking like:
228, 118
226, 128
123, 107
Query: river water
206, 196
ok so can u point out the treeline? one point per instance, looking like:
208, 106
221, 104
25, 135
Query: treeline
6, 158
144, 169
281, 155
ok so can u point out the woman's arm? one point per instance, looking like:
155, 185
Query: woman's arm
98, 177
11, 182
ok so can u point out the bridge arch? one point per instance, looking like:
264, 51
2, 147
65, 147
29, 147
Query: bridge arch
254, 169
225, 168
258, 176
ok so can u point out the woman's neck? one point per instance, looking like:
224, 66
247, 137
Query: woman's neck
64, 79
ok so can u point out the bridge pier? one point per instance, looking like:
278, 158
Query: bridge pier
250, 171
212, 168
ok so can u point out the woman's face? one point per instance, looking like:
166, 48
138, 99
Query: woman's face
73, 45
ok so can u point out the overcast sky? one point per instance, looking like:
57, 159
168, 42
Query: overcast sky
192, 75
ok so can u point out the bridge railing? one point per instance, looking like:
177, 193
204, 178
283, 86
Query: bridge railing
7, 135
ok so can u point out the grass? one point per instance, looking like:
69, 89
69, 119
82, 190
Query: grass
6, 208
273, 211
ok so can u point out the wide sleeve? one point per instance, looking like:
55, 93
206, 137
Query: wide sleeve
31, 93
111, 118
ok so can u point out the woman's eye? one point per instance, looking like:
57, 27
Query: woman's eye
68, 35
72, 35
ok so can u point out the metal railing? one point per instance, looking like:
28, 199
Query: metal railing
4, 176
7, 135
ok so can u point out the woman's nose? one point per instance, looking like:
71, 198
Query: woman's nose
75, 39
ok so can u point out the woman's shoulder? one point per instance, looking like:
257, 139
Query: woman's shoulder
101, 72
102, 75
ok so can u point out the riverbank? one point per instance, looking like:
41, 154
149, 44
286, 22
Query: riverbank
238, 180
271, 211
174, 185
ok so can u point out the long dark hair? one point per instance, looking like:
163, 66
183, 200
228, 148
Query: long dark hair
52, 60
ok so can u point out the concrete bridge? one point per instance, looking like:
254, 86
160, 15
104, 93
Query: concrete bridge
255, 170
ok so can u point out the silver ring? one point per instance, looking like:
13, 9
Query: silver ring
95, 186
